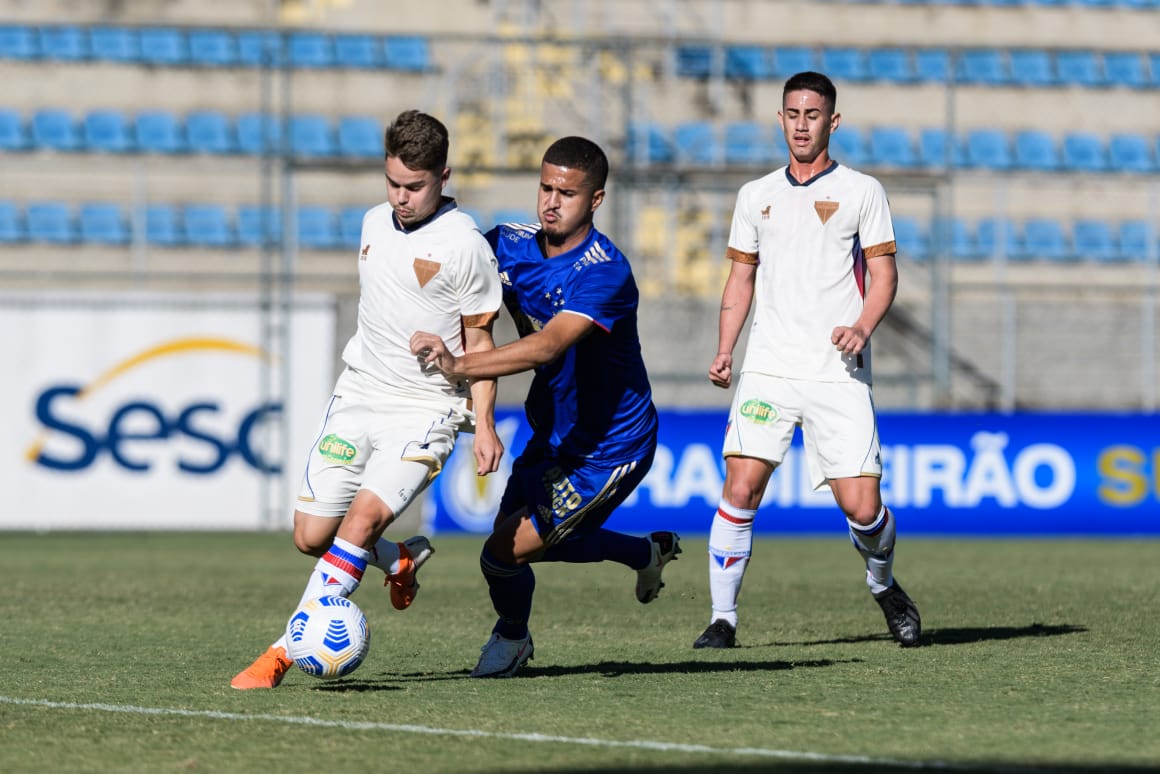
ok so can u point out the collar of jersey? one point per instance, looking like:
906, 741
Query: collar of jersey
819, 176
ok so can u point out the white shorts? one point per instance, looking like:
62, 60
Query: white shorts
370, 439
839, 429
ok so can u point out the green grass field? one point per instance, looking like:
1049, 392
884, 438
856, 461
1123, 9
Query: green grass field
118, 650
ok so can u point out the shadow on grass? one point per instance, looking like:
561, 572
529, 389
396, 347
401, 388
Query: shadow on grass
961, 635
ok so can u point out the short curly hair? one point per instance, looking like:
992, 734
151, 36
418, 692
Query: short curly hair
418, 140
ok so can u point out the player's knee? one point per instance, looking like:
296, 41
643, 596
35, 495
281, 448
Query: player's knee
742, 494
311, 545
864, 511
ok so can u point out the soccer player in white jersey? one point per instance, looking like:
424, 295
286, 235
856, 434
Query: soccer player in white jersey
812, 250
391, 423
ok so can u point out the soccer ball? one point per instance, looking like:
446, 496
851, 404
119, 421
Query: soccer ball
328, 637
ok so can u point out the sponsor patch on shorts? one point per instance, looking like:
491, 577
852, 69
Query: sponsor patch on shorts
336, 449
759, 412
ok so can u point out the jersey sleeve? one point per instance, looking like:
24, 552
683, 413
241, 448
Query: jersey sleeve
479, 287
875, 227
603, 292
743, 234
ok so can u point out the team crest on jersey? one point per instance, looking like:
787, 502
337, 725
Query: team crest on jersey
825, 210
426, 270
758, 412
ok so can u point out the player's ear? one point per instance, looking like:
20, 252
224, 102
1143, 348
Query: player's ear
597, 198
445, 177
835, 120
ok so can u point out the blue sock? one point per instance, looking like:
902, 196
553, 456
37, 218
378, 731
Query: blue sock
603, 545
511, 587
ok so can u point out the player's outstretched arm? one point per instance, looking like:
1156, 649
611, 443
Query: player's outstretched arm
531, 351
488, 447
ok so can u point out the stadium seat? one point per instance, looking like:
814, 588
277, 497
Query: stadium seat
749, 143
258, 134
64, 44
694, 61
360, 136
212, 48
1130, 153
696, 143
163, 226
1154, 68
317, 229
115, 44
648, 143
258, 225
1084, 152
350, 221
845, 64
891, 146
1043, 238
359, 52
988, 149
18, 41
159, 131
932, 65
12, 229
1080, 68
108, 131
164, 46
1035, 149
1126, 69
984, 67
260, 48
103, 224
309, 135
748, 63
13, 135
310, 50
1138, 241
208, 225
409, 53
995, 236
1093, 240
50, 222
893, 65
1033, 68
789, 60
957, 237
912, 242
55, 130
208, 131
848, 146
938, 149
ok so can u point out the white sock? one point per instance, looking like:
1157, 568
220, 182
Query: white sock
875, 542
730, 545
338, 572
385, 556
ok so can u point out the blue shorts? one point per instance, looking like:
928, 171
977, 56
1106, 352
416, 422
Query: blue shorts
566, 496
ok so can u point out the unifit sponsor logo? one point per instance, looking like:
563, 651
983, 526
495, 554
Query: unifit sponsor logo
336, 449
84, 425
758, 412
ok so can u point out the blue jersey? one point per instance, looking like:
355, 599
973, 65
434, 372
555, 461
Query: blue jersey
594, 402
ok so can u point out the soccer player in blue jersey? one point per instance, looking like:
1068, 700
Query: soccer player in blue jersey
573, 298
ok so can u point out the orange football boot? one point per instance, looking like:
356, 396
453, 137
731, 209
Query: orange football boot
266, 672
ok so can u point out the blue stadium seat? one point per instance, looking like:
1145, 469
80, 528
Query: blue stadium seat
409, 53
1125, 68
1094, 240
697, 144
360, 52
845, 64
50, 222
108, 131
985, 67
932, 65
159, 131
911, 240
317, 229
1032, 67
988, 149
310, 135
993, 234
12, 229
1084, 152
208, 131
649, 143
350, 225
1043, 238
848, 146
258, 225
958, 238
748, 63
13, 134
311, 50
891, 146
115, 44
1130, 153
64, 44
789, 60
938, 149
260, 48
103, 224
1036, 149
163, 226
1137, 241
1080, 68
55, 130
164, 46
893, 65
749, 143
360, 136
212, 48
18, 41
1154, 68
208, 225
694, 61
258, 134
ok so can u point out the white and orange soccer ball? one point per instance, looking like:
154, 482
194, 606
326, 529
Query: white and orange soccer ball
328, 637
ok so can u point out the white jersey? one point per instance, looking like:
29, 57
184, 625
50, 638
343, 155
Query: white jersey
810, 243
440, 277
